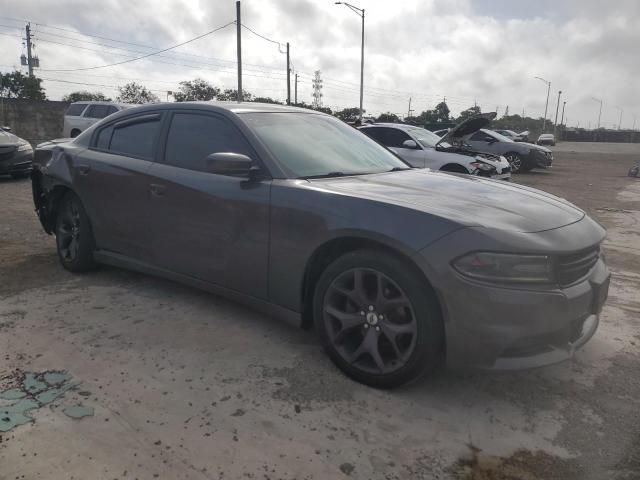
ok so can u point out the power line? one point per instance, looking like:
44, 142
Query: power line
143, 56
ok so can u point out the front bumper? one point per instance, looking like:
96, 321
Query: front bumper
16, 162
506, 329
541, 159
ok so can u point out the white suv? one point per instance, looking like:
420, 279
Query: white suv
81, 115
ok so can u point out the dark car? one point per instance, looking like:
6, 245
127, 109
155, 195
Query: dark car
299, 214
16, 155
522, 156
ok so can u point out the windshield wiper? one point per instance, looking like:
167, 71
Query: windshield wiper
324, 175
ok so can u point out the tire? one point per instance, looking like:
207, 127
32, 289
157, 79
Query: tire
75, 132
74, 236
515, 160
356, 329
454, 168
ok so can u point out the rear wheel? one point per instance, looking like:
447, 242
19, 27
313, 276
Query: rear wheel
378, 320
74, 238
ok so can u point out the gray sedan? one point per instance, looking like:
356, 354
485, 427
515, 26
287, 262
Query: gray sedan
296, 213
16, 155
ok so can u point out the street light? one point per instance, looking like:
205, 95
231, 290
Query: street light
544, 122
359, 12
555, 122
599, 114
620, 121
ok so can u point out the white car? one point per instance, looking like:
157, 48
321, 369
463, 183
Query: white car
81, 115
424, 149
546, 139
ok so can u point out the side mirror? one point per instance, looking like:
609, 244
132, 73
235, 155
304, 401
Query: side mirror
6, 128
227, 163
409, 144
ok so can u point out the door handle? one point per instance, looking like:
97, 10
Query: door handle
83, 169
157, 190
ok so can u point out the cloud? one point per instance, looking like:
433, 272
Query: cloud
481, 50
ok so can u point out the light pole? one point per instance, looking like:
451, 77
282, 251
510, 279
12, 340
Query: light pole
600, 113
360, 12
555, 122
544, 122
620, 121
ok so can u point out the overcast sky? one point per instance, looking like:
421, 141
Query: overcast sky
484, 51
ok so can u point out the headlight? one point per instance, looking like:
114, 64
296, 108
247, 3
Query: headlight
483, 166
24, 147
506, 267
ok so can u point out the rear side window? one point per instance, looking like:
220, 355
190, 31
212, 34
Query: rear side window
99, 111
133, 138
192, 137
75, 109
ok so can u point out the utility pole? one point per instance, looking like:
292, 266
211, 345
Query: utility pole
409, 110
288, 77
564, 104
359, 12
295, 95
29, 58
600, 113
635, 117
239, 49
555, 122
620, 121
546, 106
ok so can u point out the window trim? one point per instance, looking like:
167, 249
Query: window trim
124, 122
81, 115
162, 145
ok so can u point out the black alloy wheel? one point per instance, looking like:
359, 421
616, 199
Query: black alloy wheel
74, 237
515, 161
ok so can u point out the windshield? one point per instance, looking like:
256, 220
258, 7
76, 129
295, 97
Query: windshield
499, 137
313, 145
424, 136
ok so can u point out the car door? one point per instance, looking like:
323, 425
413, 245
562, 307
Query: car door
209, 226
110, 177
483, 142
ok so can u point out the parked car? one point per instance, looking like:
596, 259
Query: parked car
522, 156
297, 213
516, 137
546, 139
16, 155
424, 149
81, 115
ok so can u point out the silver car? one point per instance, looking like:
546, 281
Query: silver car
81, 115
424, 149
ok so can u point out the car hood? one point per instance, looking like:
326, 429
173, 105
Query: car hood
465, 199
9, 139
467, 127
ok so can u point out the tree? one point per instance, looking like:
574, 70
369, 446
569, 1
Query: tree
195, 90
135, 93
468, 113
388, 118
84, 95
232, 95
441, 113
348, 114
17, 85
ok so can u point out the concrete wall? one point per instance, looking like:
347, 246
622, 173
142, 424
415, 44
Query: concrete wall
34, 120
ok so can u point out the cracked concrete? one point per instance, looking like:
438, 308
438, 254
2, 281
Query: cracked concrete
186, 385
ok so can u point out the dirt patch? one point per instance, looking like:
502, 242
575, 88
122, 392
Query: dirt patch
521, 465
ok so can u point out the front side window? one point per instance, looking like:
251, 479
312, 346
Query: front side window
313, 145
193, 137
395, 138
480, 137
97, 111
134, 138
76, 109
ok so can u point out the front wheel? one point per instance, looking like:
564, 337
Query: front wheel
515, 161
74, 237
378, 319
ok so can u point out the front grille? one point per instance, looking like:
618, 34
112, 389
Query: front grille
7, 153
573, 267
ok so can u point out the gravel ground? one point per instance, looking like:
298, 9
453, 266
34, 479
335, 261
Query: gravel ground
184, 384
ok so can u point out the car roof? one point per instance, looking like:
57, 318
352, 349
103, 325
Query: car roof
401, 126
231, 106
102, 102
